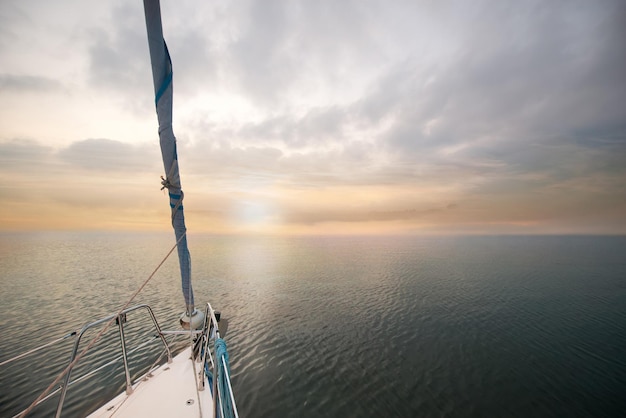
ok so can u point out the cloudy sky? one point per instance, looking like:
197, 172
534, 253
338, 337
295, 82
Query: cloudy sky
322, 116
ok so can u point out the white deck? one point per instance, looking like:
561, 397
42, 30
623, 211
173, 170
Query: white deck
170, 391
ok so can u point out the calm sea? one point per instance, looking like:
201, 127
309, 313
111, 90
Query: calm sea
498, 326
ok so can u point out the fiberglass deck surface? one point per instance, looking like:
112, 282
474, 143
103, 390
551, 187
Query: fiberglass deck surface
170, 391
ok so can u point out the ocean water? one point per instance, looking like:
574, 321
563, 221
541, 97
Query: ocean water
494, 326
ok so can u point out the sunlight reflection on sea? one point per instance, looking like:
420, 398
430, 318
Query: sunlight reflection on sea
342, 326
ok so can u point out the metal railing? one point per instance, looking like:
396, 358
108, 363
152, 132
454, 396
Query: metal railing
203, 349
120, 320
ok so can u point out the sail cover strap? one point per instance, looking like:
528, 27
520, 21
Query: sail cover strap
163, 89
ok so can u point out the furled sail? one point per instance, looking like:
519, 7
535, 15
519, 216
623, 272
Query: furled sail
163, 89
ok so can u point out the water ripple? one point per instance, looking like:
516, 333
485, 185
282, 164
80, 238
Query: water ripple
351, 326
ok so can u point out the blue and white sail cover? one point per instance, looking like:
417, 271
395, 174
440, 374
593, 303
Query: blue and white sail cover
162, 77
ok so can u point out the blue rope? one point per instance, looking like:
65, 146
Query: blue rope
220, 352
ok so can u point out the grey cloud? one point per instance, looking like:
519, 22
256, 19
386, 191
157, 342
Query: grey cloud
312, 218
196, 61
26, 83
259, 150
118, 56
526, 99
287, 49
260, 53
318, 127
111, 156
85, 174
514, 73
226, 163
10, 14
31, 157
197, 35
19, 153
528, 90
530, 69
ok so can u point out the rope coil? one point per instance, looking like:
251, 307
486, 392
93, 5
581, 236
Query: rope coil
165, 183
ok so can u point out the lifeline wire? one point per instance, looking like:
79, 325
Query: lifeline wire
97, 337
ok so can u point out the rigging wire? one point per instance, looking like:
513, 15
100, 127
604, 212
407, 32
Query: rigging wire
102, 331
34, 350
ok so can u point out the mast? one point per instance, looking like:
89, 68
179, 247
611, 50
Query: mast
163, 89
